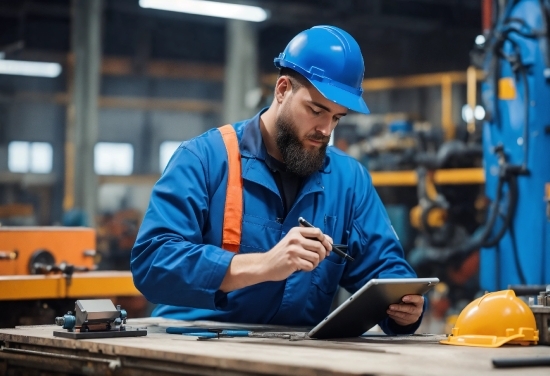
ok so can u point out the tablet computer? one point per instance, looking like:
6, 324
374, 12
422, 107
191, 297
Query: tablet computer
368, 306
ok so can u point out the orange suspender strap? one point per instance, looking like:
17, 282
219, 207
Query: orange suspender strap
233, 214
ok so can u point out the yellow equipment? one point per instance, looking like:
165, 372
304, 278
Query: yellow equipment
493, 320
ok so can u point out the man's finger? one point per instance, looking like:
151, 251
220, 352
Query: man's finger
312, 232
316, 233
315, 254
310, 256
401, 316
305, 265
413, 299
327, 242
407, 308
315, 246
404, 321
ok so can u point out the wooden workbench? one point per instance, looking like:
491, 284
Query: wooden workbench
161, 353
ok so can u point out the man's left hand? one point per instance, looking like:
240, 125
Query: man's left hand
408, 312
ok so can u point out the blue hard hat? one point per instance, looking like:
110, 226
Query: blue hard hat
331, 60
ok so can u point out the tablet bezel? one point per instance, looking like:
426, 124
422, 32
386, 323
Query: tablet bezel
373, 299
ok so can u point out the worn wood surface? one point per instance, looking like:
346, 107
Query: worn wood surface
412, 355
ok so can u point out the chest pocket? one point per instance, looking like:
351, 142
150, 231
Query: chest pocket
259, 234
326, 276
330, 230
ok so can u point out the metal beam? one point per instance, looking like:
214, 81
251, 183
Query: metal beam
163, 68
457, 176
143, 104
83, 132
241, 69
123, 66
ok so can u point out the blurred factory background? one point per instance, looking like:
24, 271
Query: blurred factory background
84, 137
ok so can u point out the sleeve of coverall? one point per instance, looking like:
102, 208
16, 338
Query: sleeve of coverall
376, 249
169, 262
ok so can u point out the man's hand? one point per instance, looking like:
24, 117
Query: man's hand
303, 248
408, 312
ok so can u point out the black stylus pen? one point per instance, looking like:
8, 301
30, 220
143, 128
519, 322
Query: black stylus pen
336, 250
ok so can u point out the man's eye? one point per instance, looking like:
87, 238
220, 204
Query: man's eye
314, 112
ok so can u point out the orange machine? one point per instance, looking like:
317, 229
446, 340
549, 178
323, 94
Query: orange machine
22, 247
44, 269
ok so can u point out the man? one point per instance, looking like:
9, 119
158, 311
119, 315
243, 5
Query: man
283, 273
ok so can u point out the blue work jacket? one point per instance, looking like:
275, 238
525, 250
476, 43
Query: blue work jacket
177, 261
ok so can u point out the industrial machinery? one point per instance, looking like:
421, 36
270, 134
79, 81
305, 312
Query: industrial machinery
44, 269
388, 142
541, 310
515, 241
512, 245
97, 318
446, 217
37, 250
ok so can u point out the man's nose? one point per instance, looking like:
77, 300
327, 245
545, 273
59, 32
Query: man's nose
325, 127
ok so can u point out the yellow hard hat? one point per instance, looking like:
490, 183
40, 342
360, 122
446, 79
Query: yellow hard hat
493, 320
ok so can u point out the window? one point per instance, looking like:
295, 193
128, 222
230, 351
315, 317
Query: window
112, 158
167, 148
35, 157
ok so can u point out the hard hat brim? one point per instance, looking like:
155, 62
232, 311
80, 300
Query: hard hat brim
342, 97
481, 340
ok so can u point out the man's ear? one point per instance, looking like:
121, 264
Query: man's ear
283, 87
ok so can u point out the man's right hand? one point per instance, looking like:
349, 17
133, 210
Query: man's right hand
303, 248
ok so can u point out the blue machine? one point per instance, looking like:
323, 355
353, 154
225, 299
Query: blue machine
516, 142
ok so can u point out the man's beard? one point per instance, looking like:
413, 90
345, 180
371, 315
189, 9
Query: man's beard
297, 158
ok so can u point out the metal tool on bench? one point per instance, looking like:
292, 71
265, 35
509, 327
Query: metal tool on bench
215, 334
521, 362
96, 318
210, 332
541, 310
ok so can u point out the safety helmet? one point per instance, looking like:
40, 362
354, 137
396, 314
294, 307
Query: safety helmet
493, 320
331, 60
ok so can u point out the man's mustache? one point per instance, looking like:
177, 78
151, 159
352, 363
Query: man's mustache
318, 136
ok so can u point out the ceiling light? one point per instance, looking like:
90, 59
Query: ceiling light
29, 68
209, 8
480, 40
479, 113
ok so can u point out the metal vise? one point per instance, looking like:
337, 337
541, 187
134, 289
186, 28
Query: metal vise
541, 311
94, 315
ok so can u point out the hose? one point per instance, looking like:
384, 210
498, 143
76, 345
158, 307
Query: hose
522, 278
512, 202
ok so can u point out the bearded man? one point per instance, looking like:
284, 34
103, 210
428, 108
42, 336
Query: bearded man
220, 240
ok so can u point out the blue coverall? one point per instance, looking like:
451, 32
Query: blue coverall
177, 261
